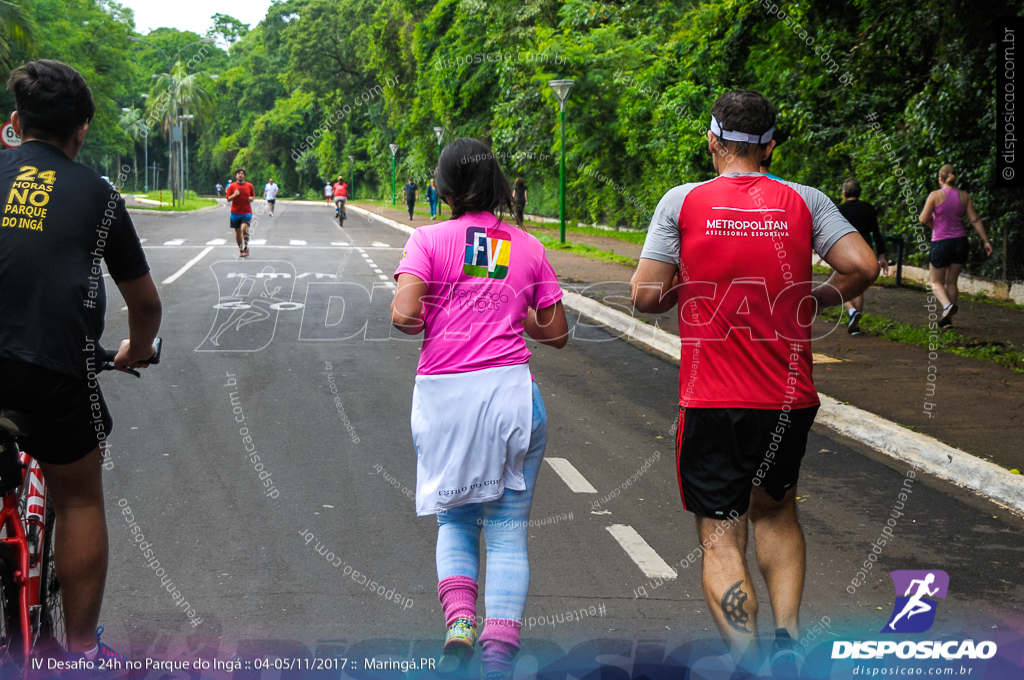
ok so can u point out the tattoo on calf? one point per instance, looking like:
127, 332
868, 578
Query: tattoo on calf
732, 607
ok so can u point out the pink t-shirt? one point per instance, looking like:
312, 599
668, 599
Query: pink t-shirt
482, 277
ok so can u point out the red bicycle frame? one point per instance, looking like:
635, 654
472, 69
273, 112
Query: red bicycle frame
23, 520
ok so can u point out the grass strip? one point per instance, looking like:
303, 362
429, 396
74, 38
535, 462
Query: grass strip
593, 253
949, 339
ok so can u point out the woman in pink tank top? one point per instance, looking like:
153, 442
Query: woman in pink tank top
944, 212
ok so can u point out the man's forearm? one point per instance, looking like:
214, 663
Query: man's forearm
839, 289
144, 324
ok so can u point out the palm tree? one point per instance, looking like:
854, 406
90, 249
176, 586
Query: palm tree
175, 93
15, 25
131, 122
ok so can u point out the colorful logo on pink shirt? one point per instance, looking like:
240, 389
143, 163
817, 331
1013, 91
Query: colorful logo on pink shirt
487, 253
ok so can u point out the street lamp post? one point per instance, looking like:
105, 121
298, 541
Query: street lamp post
439, 131
561, 89
351, 178
145, 151
394, 152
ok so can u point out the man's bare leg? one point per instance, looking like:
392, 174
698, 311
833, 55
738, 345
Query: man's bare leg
80, 544
238, 237
781, 555
728, 590
245, 235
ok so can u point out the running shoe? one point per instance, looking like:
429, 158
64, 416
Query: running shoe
458, 646
947, 316
106, 658
244, 253
853, 327
784, 659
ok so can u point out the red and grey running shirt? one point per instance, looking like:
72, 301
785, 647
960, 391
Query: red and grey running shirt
742, 242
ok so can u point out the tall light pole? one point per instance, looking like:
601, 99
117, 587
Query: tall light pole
176, 133
439, 131
561, 89
145, 151
394, 151
351, 178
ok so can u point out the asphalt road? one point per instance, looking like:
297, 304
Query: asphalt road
244, 555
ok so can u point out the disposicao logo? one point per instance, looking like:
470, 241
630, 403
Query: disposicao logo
914, 612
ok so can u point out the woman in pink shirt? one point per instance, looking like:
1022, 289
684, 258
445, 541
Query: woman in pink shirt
944, 212
474, 284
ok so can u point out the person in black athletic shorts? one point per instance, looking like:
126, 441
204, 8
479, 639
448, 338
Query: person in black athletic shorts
863, 216
519, 199
746, 393
61, 222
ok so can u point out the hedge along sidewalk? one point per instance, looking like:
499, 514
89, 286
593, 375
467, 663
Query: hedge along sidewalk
942, 460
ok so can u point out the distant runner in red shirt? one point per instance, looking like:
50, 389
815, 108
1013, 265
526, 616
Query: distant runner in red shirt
241, 193
735, 254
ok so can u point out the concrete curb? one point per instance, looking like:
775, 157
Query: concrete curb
380, 218
921, 451
143, 211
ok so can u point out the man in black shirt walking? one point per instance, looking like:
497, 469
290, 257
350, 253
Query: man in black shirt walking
60, 221
863, 216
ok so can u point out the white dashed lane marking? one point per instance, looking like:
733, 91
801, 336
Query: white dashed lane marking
188, 265
174, 242
570, 475
216, 242
641, 552
296, 242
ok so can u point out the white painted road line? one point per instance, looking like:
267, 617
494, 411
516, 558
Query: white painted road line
174, 242
258, 242
188, 265
296, 242
641, 552
383, 277
576, 482
216, 242
381, 245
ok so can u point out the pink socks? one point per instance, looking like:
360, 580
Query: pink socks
458, 599
500, 638
500, 642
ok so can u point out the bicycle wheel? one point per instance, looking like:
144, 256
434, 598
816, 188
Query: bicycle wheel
51, 631
10, 620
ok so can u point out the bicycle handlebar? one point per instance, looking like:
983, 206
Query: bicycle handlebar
108, 355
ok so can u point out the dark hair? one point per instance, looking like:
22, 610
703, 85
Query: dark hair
520, 181
476, 185
238, 170
52, 99
851, 188
743, 111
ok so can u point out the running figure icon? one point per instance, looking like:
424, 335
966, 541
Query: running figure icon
914, 604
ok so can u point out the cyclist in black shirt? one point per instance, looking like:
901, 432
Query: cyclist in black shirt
863, 216
60, 221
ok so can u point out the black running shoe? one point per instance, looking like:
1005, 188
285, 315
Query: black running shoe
784, 659
853, 326
947, 316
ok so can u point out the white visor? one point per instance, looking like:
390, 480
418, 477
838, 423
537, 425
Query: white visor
734, 136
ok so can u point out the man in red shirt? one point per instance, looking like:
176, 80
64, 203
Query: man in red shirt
340, 197
734, 253
241, 193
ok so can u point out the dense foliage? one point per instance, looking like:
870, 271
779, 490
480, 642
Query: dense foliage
885, 91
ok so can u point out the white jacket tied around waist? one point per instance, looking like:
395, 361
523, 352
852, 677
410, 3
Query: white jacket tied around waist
471, 432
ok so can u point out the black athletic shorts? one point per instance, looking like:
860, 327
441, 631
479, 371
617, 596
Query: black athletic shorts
721, 453
949, 251
69, 418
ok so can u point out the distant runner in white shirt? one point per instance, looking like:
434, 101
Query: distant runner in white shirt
270, 193
329, 192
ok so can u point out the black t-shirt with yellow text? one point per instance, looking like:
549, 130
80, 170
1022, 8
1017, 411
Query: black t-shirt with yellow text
59, 221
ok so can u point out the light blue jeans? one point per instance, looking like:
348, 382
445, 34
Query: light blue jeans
504, 524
